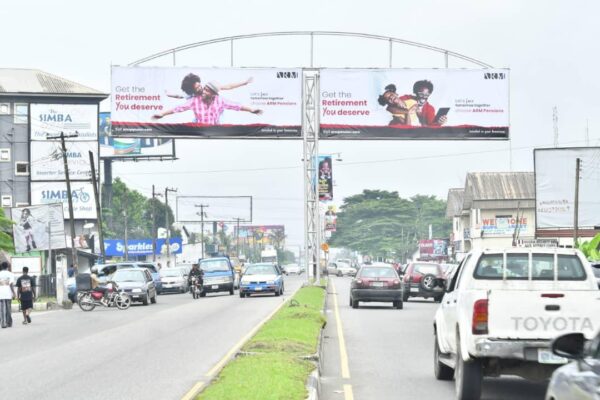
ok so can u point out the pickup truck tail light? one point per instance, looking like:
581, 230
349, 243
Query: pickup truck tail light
480, 318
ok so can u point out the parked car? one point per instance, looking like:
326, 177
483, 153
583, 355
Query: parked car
503, 307
421, 279
378, 283
579, 379
293, 269
137, 283
262, 278
219, 275
107, 270
340, 269
173, 280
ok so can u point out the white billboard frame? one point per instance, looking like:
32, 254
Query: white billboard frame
38, 226
47, 192
47, 160
80, 121
563, 178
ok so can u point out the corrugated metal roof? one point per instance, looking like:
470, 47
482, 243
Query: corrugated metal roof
454, 205
498, 186
34, 81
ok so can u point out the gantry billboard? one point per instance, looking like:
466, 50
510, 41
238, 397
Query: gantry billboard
414, 103
206, 102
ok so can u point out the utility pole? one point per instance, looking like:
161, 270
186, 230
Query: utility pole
98, 209
237, 236
126, 227
202, 215
576, 216
167, 190
153, 225
69, 196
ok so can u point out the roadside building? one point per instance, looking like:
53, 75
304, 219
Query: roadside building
494, 209
33, 106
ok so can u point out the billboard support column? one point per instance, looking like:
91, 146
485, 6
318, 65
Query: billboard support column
576, 205
98, 208
69, 197
310, 131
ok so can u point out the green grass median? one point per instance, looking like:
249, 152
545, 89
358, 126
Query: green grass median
272, 365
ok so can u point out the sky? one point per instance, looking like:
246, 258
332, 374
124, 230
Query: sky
549, 46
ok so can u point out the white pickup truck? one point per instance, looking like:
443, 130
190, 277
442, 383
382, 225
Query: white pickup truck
502, 308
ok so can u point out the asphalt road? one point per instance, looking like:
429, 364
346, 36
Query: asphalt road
158, 351
390, 354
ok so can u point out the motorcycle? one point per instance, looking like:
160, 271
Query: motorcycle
196, 288
89, 299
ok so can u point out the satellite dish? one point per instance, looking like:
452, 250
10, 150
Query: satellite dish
89, 225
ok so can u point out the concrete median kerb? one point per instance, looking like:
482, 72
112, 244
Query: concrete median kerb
313, 383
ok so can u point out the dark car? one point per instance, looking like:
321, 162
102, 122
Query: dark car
376, 284
579, 379
137, 283
423, 279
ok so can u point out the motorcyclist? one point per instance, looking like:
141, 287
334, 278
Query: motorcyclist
196, 272
97, 285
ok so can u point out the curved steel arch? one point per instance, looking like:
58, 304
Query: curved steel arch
312, 34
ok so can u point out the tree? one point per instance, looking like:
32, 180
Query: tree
6, 238
381, 223
131, 207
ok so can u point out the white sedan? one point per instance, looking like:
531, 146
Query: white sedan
293, 269
340, 269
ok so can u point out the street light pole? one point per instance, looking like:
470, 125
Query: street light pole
202, 214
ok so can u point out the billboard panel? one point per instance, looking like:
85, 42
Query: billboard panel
31, 232
555, 187
433, 248
325, 178
141, 247
331, 219
47, 160
128, 148
215, 208
56, 192
206, 102
414, 104
262, 234
71, 119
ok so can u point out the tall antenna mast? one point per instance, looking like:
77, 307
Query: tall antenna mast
555, 121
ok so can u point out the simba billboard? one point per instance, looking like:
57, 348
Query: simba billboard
206, 102
414, 104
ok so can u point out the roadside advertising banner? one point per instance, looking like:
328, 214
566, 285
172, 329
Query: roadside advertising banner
56, 192
330, 219
433, 248
325, 179
141, 247
71, 119
206, 102
262, 234
504, 226
414, 103
555, 171
38, 227
127, 148
47, 160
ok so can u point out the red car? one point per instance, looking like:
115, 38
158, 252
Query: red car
423, 279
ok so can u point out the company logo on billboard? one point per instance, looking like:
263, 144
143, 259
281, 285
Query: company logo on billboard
494, 75
287, 75
78, 195
55, 117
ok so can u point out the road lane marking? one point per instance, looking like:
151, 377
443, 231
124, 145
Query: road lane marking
218, 366
193, 391
341, 340
348, 395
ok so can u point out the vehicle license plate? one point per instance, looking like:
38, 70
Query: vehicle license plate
258, 288
414, 289
547, 357
215, 286
377, 284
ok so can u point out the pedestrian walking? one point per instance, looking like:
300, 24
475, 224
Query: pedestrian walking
7, 294
26, 295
